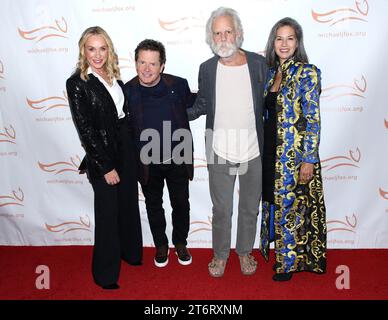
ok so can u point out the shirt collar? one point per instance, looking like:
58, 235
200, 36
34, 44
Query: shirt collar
286, 64
90, 71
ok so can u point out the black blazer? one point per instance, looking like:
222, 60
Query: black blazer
96, 120
181, 98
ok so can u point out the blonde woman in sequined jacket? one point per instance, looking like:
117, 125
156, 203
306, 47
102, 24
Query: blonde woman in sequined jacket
100, 114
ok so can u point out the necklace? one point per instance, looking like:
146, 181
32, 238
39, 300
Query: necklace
101, 73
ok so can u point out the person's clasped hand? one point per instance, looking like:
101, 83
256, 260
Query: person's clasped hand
112, 177
306, 172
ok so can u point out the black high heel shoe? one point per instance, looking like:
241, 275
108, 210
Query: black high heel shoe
112, 286
282, 276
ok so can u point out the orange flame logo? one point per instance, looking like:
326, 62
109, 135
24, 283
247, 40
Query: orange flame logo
9, 134
39, 34
337, 225
357, 89
383, 193
338, 161
198, 226
15, 199
49, 103
69, 226
182, 24
339, 15
1, 70
60, 167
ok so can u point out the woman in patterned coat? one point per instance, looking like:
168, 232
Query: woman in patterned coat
293, 204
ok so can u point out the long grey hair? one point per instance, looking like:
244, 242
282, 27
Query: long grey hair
300, 54
222, 11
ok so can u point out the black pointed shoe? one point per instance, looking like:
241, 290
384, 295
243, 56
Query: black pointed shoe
112, 286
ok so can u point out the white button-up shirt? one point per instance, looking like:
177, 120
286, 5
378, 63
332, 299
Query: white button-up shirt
115, 91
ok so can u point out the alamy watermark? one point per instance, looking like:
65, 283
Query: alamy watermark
42, 282
176, 147
343, 280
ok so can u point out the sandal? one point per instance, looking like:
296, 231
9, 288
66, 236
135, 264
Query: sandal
248, 265
217, 267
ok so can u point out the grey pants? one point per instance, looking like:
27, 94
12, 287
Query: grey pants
222, 178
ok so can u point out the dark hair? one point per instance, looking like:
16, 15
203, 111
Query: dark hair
152, 45
300, 54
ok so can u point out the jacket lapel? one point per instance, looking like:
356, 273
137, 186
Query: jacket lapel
287, 73
270, 81
135, 103
254, 79
212, 76
101, 88
125, 106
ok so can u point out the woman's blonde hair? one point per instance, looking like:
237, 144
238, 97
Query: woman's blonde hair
112, 62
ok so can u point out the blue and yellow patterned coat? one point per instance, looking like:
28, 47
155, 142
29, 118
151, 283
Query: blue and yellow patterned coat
298, 220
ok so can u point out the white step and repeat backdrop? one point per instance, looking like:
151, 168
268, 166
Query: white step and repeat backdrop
43, 199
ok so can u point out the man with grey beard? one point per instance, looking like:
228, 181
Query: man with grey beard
230, 94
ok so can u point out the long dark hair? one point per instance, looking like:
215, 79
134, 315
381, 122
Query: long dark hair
300, 54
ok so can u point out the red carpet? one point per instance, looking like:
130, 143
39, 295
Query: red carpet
70, 277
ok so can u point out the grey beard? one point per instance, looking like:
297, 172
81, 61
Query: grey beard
224, 50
